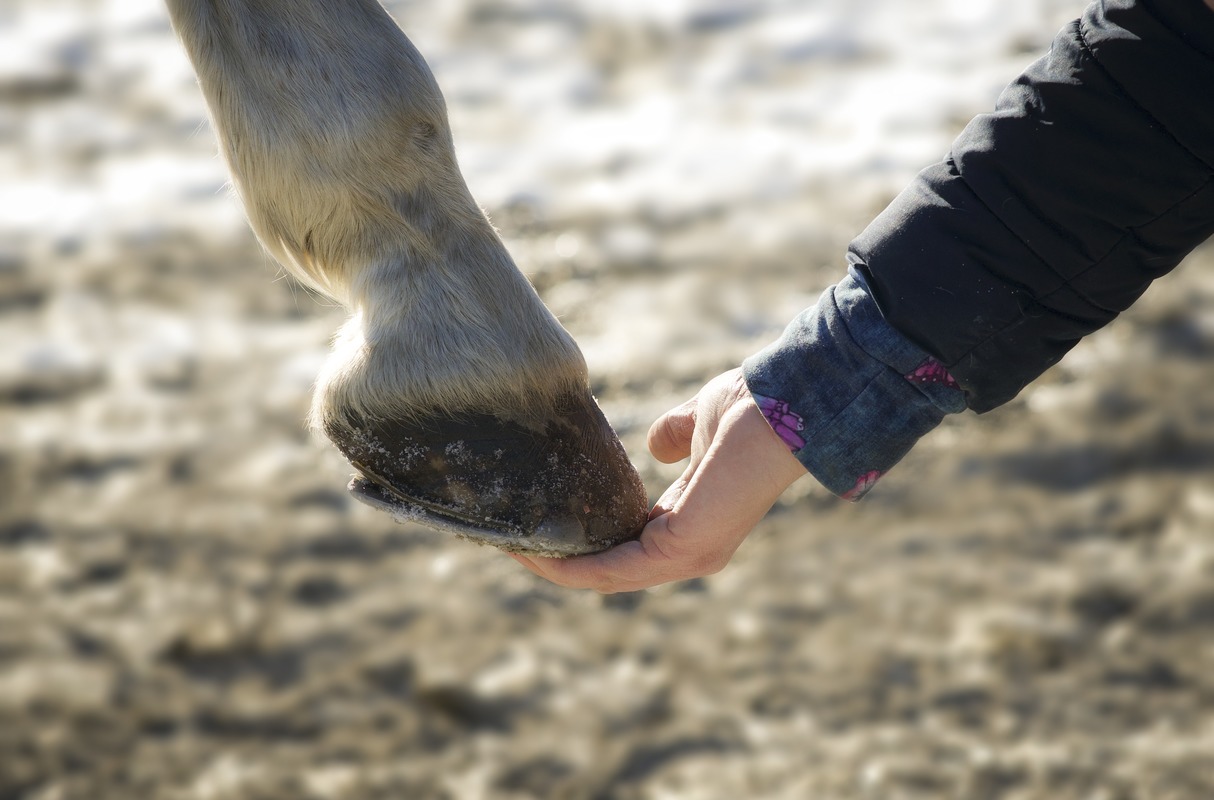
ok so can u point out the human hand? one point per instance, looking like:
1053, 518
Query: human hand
738, 468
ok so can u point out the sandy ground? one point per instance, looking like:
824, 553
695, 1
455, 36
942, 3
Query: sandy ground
190, 606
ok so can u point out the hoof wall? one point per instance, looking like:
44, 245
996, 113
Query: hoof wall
558, 484
551, 539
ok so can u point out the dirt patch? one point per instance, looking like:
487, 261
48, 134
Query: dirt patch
191, 607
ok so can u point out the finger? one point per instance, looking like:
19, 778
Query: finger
740, 477
669, 437
526, 562
661, 555
700, 520
627, 568
670, 497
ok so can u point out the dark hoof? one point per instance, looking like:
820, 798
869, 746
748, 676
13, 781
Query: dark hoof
557, 485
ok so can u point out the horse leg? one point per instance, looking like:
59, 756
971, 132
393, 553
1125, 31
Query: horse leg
457, 396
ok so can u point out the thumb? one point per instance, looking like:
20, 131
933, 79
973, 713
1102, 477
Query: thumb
670, 437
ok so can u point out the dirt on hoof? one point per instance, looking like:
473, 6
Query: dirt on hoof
552, 484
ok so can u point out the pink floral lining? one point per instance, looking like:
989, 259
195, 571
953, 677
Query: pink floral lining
788, 425
782, 420
863, 485
932, 371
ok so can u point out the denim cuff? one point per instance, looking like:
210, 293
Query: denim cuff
846, 392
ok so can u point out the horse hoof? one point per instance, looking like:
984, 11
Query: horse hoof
558, 484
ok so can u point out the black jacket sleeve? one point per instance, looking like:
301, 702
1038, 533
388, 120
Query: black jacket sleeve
1094, 176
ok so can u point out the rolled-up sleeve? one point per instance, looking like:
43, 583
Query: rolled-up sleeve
846, 392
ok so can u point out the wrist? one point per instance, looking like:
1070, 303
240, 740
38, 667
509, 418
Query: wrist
779, 465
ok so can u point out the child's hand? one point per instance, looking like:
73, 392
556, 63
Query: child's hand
738, 468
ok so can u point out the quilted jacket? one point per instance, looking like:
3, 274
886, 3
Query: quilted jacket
1051, 215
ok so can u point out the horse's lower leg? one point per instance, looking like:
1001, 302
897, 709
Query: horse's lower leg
451, 387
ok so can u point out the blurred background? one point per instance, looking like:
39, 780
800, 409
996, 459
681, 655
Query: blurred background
191, 607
